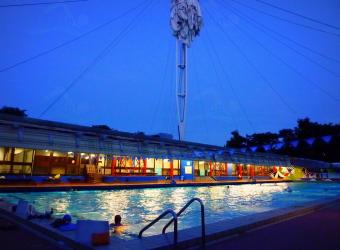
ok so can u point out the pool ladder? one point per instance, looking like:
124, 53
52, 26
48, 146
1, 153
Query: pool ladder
174, 220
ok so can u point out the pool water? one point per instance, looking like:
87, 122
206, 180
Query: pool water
140, 206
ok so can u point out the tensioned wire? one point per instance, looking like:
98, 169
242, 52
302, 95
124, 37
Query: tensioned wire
162, 83
335, 74
212, 52
286, 20
75, 39
298, 14
172, 118
208, 44
251, 64
265, 27
41, 3
194, 81
113, 43
279, 58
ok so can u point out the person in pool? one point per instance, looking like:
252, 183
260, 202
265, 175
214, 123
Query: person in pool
117, 226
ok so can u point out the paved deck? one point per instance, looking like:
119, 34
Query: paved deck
122, 185
14, 237
319, 230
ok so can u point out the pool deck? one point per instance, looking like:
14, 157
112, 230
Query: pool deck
122, 185
10, 233
314, 231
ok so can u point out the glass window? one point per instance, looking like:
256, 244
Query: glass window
158, 166
5, 169
245, 170
150, 164
23, 155
166, 164
60, 154
176, 167
84, 158
41, 162
43, 152
17, 169
2, 153
5, 154
233, 169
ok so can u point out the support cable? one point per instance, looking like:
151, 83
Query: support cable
64, 44
285, 20
230, 84
335, 74
298, 14
161, 94
282, 60
253, 20
200, 98
211, 53
41, 3
282, 99
102, 54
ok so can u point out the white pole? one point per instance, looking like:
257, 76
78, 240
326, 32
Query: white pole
181, 75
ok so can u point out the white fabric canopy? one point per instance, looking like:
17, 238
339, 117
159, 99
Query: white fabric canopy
186, 19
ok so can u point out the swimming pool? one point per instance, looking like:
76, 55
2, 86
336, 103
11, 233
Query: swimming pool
140, 206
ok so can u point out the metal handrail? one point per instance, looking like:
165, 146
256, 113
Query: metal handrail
169, 211
183, 209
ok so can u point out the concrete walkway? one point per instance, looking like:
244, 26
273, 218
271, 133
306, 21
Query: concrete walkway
316, 231
14, 237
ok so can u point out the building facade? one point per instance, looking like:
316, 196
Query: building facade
41, 148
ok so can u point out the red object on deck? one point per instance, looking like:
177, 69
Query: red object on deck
226, 168
113, 165
144, 166
240, 171
171, 169
252, 171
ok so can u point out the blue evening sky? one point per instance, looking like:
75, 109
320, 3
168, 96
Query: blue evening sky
239, 76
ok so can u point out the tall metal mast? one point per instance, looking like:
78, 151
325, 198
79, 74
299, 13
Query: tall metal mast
186, 23
181, 86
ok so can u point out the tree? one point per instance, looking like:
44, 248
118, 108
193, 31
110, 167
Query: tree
261, 139
306, 128
13, 111
236, 141
287, 134
303, 132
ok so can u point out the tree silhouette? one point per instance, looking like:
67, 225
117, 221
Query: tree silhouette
309, 135
13, 111
236, 141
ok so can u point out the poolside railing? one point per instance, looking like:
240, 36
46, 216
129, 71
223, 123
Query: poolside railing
174, 219
183, 209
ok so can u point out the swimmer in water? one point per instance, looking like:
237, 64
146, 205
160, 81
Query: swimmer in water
118, 227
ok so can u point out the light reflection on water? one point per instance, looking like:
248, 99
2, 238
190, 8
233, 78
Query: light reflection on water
139, 206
